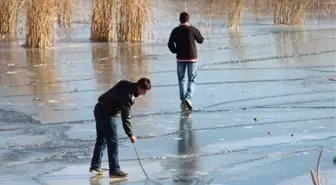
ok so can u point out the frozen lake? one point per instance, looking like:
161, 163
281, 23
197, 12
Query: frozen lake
280, 75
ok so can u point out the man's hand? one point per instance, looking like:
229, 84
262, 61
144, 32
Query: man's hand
133, 139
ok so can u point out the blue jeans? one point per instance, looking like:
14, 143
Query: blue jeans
106, 128
192, 73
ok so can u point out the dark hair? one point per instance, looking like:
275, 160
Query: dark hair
184, 17
144, 83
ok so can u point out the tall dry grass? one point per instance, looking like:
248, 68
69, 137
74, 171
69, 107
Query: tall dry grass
40, 23
8, 16
133, 16
218, 7
41, 17
103, 20
290, 12
236, 13
261, 7
64, 12
316, 178
256, 6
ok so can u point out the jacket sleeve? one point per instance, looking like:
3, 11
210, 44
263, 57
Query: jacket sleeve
198, 36
171, 42
126, 104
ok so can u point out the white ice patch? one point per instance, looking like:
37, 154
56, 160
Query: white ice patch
52, 101
248, 127
12, 72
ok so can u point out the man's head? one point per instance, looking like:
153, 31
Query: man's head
184, 17
143, 85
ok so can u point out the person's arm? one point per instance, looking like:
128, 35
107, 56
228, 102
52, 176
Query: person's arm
198, 36
171, 42
126, 104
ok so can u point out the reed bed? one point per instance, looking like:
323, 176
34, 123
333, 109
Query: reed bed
103, 20
40, 23
133, 16
8, 16
126, 20
64, 12
41, 16
236, 13
290, 12
218, 7
256, 6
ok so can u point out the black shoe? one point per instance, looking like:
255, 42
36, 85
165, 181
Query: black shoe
97, 171
188, 104
183, 106
118, 173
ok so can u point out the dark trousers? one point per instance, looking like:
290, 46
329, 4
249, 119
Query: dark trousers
106, 128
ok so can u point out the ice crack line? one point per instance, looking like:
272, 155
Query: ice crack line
269, 58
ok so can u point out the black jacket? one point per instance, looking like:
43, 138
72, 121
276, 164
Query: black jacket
182, 42
120, 98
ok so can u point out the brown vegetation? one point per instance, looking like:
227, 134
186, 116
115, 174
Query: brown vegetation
41, 16
316, 178
128, 17
103, 20
64, 12
289, 12
236, 13
133, 16
8, 16
40, 23
125, 20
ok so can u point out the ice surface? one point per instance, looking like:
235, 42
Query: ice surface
264, 106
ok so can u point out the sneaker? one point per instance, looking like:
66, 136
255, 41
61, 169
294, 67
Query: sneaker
97, 171
118, 173
184, 106
188, 104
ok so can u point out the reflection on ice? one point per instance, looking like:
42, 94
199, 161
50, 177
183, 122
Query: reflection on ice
187, 168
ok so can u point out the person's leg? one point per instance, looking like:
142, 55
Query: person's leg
181, 67
192, 74
112, 149
100, 145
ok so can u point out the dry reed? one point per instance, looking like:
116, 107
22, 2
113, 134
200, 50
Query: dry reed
64, 12
8, 16
133, 16
236, 13
290, 12
255, 6
316, 178
218, 7
103, 20
40, 23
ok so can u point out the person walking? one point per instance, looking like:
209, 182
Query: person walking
118, 99
182, 42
